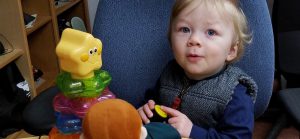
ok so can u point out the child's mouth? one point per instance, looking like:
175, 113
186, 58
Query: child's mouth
194, 57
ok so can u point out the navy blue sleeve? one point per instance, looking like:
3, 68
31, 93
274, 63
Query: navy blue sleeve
237, 121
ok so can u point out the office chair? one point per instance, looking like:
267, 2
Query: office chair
136, 49
289, 67
286, 26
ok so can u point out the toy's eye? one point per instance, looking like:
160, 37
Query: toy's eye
90, 51
95, 50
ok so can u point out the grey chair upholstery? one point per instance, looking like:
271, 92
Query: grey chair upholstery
136, 48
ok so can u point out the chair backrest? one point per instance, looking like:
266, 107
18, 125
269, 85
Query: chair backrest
288, 52
136, 48
287, 38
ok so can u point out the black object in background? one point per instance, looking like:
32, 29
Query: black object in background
2, 49
28, 18
62, 24
37, 73
12, 100
287, 14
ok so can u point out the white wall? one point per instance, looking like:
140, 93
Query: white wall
92, 10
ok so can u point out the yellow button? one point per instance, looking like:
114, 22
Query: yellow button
160, 112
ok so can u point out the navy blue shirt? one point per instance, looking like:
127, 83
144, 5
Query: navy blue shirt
237, 121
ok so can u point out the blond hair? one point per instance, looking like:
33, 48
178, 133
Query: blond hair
230, 8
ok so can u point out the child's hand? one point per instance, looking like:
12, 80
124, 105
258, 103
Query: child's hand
179, 121
146, 111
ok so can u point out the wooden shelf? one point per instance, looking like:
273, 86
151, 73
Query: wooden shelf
9, 57
46, 81
35, 46
40, 21
22, 134
66, 6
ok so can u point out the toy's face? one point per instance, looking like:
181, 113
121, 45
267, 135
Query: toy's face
90, 55
79, 53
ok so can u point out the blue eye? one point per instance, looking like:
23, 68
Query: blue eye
211, 32
185, 29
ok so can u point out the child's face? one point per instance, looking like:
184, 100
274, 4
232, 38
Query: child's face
202, 41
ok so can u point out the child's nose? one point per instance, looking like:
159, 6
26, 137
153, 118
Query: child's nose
194, 40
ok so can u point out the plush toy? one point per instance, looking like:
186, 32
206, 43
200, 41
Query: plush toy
117, 119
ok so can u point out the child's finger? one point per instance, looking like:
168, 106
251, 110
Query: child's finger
151, 104
147, 110
143, 116
171, 112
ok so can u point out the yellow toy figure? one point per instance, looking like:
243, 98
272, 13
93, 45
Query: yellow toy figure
79, 53
117, 119
81, 81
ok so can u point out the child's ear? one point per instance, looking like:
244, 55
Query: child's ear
232, 54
